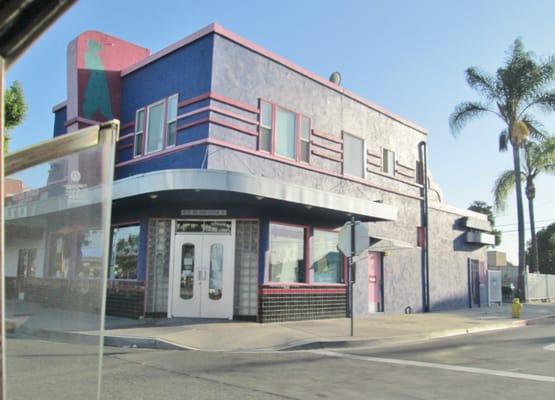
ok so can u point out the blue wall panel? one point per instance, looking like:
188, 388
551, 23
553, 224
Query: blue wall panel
188, 158
60, 117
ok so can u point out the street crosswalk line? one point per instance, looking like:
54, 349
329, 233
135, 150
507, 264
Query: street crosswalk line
457, 368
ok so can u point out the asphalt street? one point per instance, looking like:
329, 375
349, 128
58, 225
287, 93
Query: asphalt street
513, 363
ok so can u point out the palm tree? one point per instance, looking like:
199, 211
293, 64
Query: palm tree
538, 158
518, 87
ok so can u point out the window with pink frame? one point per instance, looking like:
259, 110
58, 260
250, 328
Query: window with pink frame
283, 132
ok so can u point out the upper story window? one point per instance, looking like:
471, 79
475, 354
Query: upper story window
354, 156
171, 121
266, 118
284, 133
305, 139
155, 127
139, 132
388, 162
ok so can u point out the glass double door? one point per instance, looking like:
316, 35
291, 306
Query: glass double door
203, 276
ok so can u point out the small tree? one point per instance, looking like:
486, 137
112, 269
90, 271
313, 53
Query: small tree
546, 249
539, 158
484, 208
15, 110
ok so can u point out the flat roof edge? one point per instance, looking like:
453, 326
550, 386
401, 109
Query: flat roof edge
220, 30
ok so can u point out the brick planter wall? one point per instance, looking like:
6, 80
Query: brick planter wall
294, 303
125, 299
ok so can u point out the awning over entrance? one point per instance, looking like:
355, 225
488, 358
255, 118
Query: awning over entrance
257, 187
380, 243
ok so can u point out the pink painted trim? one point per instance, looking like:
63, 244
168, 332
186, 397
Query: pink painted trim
246, 150
129, 135
218, 111
194, 123
171, 48
193, 100
123, 147
303, 285
233, 115
327, 137
323, 146
234, 103
216, 28
81, 120
127, 125
302, 291
232, 126
266, 53
59, 106
393, 177
374, 164
404, 174
194, 112
316, 152
163, 152
373, 154
266, 155
405, 166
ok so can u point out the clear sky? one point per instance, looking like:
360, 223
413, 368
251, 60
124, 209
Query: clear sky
407, 56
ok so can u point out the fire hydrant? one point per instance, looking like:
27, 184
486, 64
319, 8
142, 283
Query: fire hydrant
516, 308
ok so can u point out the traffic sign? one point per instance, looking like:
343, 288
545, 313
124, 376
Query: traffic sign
361, 238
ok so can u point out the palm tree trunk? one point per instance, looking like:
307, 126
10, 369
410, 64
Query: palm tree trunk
520, 220
534, 258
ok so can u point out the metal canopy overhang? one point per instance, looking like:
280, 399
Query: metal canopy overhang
255, 187
380, 243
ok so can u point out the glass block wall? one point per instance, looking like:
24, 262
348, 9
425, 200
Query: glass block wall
158, 264
246, 268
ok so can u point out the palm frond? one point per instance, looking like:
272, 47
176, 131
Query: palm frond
544, 100
524, 76
463, 113
537, 131
503, 185
504, 140
482, 82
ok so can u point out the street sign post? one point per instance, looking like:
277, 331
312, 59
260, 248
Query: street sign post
352, 241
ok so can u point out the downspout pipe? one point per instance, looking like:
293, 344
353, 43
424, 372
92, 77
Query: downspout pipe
423, 154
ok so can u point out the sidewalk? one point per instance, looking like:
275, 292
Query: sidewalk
217, 335
377, 329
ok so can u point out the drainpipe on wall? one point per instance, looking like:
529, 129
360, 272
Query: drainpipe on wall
423, 153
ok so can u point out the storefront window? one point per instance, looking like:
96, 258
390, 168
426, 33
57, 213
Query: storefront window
125, 252
327, 262
287, 255
89, 257
60, 256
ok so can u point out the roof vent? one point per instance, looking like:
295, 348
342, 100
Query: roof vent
336, 78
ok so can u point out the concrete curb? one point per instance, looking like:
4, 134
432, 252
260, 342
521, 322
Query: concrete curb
406, 339
158, 343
